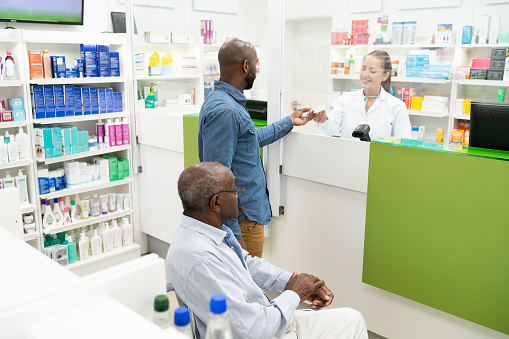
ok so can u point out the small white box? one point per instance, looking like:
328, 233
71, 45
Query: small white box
494, 28
105, 170
484, 29
72, 173
83, 172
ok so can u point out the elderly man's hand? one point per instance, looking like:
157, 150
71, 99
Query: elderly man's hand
305, 285
322, 298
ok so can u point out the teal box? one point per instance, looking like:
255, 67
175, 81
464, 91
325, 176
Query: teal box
57, 141
74, 141
83, 141
47, 136
66, 141
503, 38
86, 145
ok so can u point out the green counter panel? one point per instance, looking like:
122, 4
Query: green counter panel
437, 231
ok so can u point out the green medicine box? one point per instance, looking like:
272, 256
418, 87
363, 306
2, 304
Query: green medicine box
120, 165
113, 166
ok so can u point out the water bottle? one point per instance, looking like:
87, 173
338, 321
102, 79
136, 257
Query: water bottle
218, 326
183, 321
161, 311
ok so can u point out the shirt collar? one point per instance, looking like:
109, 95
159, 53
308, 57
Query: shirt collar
381, 95
210, 231
235, 93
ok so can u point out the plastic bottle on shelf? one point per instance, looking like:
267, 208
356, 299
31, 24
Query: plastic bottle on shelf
96, 244
218, 326
4, 151
161, 311
107, 238
109, 139
182, 320
46, 62
100, 134
118, 132
127, 232
43, 208
74, 212
67, 202
84, 245
22, 140
67, 217
96, 206
77, 201
71, 250
167, 64
154, 66
59, 216
61, 204
126, 138
21, 184
49, 218
117, 235
10, 67
12, 148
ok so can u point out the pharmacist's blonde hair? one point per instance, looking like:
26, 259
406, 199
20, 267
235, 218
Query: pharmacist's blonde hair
387, 66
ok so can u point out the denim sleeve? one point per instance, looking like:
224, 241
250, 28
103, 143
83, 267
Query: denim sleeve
219, 134
273, 132
233, 224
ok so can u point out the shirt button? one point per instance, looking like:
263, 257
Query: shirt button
238, 324
226, 234
231, 247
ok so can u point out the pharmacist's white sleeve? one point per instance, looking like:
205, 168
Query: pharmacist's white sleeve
332, 125
402, 127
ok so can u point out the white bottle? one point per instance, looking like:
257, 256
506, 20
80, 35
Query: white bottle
79, 212
74, 212
8, 180
12, 148
107, 239
126, 133
96, 244
4, 151
84, 244
67, 202
218, 326
49, 218
117, 235
21, 183
67, 217
59, 216
10, 67
96, 206
109, 139
118, 132
127, 232
22, 140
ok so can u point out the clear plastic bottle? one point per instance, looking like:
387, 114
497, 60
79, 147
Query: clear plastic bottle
161, 311
96, 206
127, 232
182, 319
218, 326
10, 67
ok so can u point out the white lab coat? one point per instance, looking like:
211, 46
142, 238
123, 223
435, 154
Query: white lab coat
387, 116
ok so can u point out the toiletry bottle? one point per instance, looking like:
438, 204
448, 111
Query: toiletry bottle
43, 208
21, 183
12, 148
119, 201
126, 137
46, 63
61, 204
127, 232
4, 152
59, 216
84, 244
49, 217
118, 132
74, 213
77, 200
110, 133
161, 311
104, 203
96, 244
117, 235
22, 140
100, 134
167, 64
95, 206
85, 208
67, 202
127, 202
8, 180
10, 67
67, 217
107, 238
71, 250
111, 202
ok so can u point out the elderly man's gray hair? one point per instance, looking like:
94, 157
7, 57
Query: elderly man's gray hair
198, 184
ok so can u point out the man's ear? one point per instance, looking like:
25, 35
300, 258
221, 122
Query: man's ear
245, 66
215, 204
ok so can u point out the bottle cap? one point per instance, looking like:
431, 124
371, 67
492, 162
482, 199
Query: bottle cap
66, 210
218, 304
8, 53
161, 303
55, 200
73, 203
182, 316
48, 203
20, 172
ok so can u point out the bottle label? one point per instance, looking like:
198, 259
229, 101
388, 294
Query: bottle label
125, 134
111, 135
118, 136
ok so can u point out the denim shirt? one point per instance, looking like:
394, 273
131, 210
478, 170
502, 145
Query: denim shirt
228, 135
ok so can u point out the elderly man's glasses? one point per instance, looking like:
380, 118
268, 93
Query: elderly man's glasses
238, 190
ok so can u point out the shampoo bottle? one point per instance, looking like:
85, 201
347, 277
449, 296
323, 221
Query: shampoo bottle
71, 251
12, 148
84, 244
4, 152
22, 140
10, 67
61, 204
117, 235
43, 208
118, 132
85, 208
127, 232
96, 244
74, 213
77, 200
125, 132
95, 206
108, 238
67, 202
100, 134
49, 217
8, 180
59, 216
21, 183
46, 62
110, 134
67, 217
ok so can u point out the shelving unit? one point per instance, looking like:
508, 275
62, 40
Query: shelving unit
483, 83
90, 221
15, 164
31, 236
84, 154
80, 118
85, 188
104, 256
11, 83
77, 81
12, 124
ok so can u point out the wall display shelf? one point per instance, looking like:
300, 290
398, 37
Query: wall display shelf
428, 114
496, 83
166, 77
90, 221
77, 81
462, 116
11, 83
15, 164
175, 109
103, 256
11, 124
85, 188
31, 236
420, 80
27, 209
84, 154
91, 117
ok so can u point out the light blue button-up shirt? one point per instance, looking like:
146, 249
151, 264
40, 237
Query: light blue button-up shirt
228, 135
200, 264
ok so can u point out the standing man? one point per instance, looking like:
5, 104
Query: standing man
228, 135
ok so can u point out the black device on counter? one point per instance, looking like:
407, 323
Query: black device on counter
257, 109
489, 125
362, 132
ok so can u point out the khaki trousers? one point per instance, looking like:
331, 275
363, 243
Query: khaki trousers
254, 237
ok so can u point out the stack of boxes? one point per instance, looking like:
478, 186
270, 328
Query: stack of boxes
53, 142
479, 68
497, 63
12, 109
339, 36
423, 64
360, 34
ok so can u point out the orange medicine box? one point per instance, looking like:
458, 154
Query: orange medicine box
35, 61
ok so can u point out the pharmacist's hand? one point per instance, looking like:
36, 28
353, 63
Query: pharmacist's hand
298, 119
320, 117
242, 243
305, 285
322, 298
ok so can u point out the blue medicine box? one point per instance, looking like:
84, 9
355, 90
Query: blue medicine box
69, 100
94, 100
58, 69
57, 141
103, 61
114, 64
118, 101
47, 136
85, 99
89, 56
102, 100
70, 73
17, 107
38, 102
109, 100
59, 100
74, 141
49, 101
78, 110
80, 69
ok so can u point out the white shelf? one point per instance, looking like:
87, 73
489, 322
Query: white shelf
428, 114
148, 44
79, 118
27, 209
462, 116
84, 154
15, 164
420, 80
345, 76
483, 82
103, 256
177, 109
77, 81
90, 221
11, 83
166, 77
11, 124
381, 46
74, 38
81, 189
31, 236
483, 45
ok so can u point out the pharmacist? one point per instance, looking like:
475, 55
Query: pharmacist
372, 105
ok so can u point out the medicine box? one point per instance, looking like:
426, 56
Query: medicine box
38, 102
74, 141
49, 101
103, 61
66, 141
499, 53
102, 100
85, 100
497, 65
69, 100
109, 100
113, 168
58, 66
89, 56
35, 61
466, 38
481, 63
57, 141
80, 69
94, 100
47, 142
495, 75
59, 101
478, 74
120, 170
114, 64
78, 108
70, 73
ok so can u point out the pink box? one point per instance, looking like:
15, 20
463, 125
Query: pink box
481, 63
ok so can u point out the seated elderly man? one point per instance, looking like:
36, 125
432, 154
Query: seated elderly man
205, 258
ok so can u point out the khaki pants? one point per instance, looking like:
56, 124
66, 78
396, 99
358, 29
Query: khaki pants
254, 236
